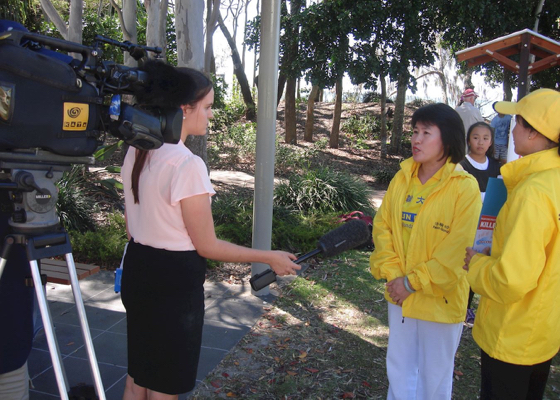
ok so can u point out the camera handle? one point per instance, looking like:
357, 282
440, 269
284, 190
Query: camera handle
50, 245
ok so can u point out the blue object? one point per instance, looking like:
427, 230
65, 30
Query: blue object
118, 276
115, 107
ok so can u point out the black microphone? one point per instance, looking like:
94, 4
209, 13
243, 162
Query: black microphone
346, 237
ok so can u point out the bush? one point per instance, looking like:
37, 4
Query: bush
362, 127
73, 206
291, 230
385, 175
104, 247
323, 190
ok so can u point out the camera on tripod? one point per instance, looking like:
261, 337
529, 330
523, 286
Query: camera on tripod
55, 111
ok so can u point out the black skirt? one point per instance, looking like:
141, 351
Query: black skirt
163, 294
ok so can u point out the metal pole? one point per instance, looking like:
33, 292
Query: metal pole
266, 132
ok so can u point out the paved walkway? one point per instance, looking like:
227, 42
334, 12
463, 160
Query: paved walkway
231, 311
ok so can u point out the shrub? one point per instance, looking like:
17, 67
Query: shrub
362, 127
323, 190
73, 206
104, 246
291, 230
385, 174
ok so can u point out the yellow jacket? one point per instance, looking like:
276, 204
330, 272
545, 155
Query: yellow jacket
518, 318
444, 227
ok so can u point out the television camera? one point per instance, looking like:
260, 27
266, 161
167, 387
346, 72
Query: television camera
55, 111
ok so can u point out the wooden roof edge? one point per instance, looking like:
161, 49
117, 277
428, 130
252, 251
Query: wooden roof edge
511, 35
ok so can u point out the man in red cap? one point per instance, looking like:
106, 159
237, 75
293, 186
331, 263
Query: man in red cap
467, 111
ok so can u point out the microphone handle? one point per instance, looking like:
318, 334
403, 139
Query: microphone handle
265, 278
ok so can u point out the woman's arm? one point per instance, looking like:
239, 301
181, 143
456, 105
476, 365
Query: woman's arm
384, 261
197, 216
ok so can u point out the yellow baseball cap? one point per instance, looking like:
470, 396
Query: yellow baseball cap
541, 109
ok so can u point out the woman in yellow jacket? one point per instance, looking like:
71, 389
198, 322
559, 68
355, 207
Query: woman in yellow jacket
428, 215
518, 321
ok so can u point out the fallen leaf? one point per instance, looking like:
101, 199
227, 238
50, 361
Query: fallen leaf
459, 373
225, 375
348, 395
231, 394
364, 383
269, 371
292, 373
216, 384
277, 359
303, 354
312, 370
249, 351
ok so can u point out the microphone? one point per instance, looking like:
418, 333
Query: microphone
346, 237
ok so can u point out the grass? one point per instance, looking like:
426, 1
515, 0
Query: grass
325, 337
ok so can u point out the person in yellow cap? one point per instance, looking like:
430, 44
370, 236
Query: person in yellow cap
518, 321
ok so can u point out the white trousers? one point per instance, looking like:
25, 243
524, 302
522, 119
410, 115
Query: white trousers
420, 357
15, 385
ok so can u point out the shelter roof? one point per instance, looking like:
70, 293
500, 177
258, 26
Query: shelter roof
545, 50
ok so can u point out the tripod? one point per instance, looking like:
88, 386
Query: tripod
49, 245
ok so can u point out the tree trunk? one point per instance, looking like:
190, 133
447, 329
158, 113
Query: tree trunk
75, 21
157, 12
333, 142
398, 119
290, 112
507, 85
189, 15
308, 135
164, 6
383, 133
239, 72
54, 16
212, 17
281, 85
128, 23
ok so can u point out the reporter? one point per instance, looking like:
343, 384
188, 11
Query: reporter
518, 320
428, 215
171, 230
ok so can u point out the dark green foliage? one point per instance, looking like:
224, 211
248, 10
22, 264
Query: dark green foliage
323, 190
74, 207
291, 230
385, 175
103, 247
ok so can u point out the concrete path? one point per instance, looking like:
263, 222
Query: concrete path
231, 311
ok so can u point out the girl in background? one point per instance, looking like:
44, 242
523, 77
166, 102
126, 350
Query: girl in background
480, 162
428, 215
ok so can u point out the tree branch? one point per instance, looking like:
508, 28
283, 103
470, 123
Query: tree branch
54, 16
126, 33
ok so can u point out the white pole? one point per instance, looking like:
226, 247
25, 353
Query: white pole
266, 132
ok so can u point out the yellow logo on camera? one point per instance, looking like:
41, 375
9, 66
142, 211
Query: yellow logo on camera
75, 117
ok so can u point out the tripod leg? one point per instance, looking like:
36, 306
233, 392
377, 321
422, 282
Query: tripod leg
84, 324
49, 331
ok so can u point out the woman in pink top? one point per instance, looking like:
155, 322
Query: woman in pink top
171, 232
